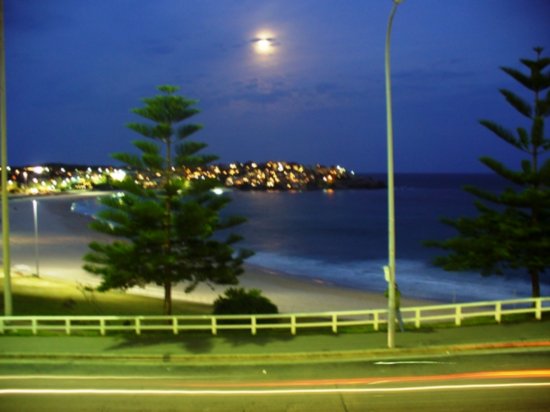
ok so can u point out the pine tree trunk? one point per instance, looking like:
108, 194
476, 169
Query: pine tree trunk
535, 283
167, 298
168, 229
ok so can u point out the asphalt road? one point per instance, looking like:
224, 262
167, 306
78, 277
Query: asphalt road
515, 381
457, 399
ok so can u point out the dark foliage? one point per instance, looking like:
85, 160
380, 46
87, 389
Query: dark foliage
512, 228
238, 301
166, 228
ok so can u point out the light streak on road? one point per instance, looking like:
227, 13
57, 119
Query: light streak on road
84, 377
378, 384
485, 375
517, 374
210, 392
415, 362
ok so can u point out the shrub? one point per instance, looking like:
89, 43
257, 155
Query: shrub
239, 301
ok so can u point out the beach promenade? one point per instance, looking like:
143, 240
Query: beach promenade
238, 348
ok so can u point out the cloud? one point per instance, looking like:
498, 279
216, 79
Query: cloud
326, 87
156, 48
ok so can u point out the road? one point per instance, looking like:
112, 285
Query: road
510, 381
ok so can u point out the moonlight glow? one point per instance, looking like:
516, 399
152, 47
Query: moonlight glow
264, 44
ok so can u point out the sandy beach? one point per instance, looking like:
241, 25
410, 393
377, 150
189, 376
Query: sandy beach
63, 239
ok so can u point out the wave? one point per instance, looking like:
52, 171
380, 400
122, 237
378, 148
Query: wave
87, 207
415, 278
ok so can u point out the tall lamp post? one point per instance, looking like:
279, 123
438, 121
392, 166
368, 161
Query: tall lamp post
35, 215
4, 175
389, 270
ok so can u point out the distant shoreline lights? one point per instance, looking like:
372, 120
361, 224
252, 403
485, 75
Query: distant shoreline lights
271, 175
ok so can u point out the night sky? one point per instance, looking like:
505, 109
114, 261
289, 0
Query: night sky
75, 69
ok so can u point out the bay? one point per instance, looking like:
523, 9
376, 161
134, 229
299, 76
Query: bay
340, 237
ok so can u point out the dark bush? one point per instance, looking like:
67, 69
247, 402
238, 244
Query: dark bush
239, 301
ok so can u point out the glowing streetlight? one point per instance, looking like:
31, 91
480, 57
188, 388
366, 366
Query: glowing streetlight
389, 270
35, 214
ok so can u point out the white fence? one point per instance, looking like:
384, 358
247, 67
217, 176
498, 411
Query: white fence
416, 316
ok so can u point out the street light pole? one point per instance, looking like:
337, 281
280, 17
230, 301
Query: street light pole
389, 270
35, 213
6, 261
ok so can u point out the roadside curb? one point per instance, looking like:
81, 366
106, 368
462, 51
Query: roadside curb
329, 356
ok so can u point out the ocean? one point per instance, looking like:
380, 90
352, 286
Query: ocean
340, 237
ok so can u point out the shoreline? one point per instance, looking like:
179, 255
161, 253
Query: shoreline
64, 237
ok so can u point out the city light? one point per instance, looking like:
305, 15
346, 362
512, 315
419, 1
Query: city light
118, 175
271, 175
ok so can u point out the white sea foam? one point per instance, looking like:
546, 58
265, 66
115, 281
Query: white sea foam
87, 207
415, 278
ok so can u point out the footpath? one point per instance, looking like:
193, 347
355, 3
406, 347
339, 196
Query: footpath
231, 347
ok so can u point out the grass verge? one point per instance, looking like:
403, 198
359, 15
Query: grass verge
47, 296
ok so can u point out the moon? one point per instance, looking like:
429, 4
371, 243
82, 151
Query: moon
264, 44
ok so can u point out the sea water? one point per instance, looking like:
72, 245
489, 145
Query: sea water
341, 237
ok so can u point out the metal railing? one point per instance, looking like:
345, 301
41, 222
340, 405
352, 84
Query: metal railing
417, 316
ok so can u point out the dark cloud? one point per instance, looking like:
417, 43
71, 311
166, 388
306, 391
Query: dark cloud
325, 87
